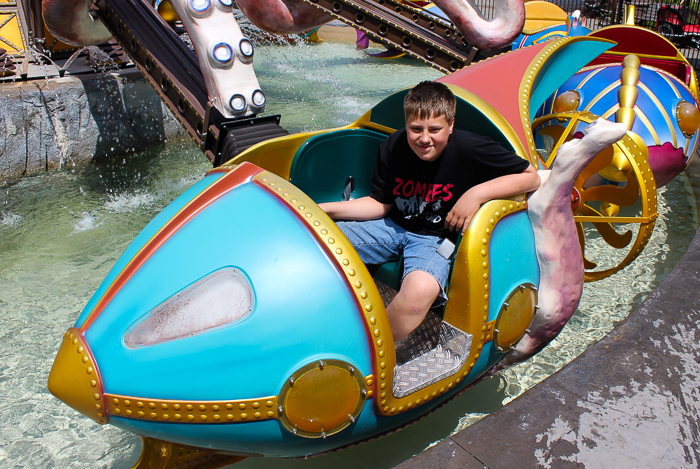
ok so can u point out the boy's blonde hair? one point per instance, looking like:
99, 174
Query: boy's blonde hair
429, 99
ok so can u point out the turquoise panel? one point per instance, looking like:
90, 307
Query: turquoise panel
553, 32
389, 111
513, 259
147, 233
303, 312
323, 163
562, 65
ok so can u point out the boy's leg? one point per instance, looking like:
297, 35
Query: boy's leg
425, 276
418, 292
376, 241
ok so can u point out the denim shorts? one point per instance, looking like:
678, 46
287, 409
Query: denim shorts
382, 240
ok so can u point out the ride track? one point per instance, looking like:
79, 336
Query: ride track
412, 30
175, 74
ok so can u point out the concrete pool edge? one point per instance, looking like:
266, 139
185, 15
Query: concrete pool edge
630, 398
54, 122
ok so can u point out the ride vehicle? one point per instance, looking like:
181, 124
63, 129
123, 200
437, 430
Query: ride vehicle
276, 341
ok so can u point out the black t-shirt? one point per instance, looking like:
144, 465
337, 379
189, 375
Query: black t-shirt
423, 192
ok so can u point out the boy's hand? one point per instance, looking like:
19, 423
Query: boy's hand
461, 214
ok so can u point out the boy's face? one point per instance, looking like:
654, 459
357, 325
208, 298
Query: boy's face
428, 137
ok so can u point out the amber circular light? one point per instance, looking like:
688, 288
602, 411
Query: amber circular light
167, 12
688, 118
567, 101
515, 316
322, 398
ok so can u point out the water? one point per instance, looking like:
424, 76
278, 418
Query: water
60, 233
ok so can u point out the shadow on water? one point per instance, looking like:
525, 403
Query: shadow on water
385, 452
128, 118
390, 450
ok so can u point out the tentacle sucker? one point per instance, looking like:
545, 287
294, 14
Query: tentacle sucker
557, 244
71, 22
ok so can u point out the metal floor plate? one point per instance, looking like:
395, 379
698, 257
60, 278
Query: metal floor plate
441, 361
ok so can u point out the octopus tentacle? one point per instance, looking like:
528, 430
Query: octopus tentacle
486, 34
556, 239
71, 22
283, 16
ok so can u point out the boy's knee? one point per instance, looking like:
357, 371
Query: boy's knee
420, 288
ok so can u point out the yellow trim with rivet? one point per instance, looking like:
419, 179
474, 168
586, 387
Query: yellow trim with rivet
181, 411
75, 379
526, 84
468, 306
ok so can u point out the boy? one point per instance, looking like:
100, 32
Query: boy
428, 182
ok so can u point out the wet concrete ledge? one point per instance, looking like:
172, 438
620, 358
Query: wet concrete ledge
632, 400
49, 123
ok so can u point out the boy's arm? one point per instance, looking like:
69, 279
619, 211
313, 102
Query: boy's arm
364, 208
503, 186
